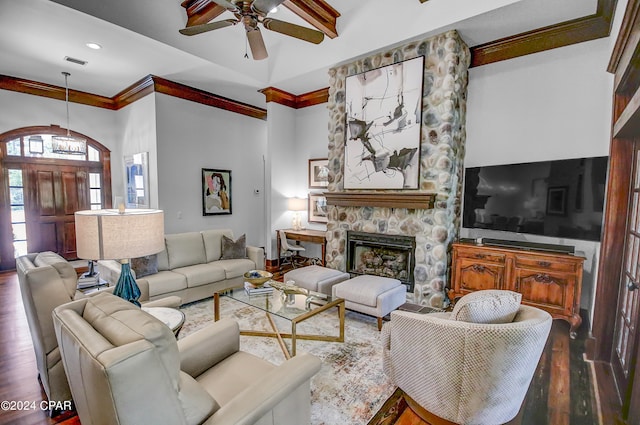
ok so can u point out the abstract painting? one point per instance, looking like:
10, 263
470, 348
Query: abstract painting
216, 191
384, 111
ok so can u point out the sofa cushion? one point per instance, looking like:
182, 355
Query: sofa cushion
144, 266
487, 306
164, 282
232, 250
65, 270
213, 242
185, 249
236, 268
202, 274
163, 260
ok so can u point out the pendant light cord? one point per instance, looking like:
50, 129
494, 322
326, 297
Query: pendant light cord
66, 98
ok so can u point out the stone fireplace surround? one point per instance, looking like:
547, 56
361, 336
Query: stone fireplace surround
441, 164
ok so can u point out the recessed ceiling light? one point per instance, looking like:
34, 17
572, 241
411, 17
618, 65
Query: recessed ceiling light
94, 46
274, 10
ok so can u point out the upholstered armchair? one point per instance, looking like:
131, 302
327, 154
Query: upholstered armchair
470, 366
126, 367
46, 281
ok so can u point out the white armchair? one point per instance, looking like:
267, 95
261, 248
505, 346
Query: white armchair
463, 372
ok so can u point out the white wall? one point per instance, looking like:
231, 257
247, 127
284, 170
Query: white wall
550, 105
192, 136
285, 170
137, 133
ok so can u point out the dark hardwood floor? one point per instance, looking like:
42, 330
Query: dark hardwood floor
561, 392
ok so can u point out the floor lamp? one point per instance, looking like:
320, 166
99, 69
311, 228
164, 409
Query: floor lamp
120, 235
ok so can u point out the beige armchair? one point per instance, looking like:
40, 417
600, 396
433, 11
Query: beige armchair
46, 281
463, 372
126, 367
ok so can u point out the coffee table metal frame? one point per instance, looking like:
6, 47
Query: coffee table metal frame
262, 302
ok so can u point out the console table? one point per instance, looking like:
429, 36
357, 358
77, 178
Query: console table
303, 235
547, 280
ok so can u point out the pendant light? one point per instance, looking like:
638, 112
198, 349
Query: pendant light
68, 144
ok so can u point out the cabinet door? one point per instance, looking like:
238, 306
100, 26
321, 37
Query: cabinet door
473, 275
551, 291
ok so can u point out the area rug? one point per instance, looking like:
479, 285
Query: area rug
350, 387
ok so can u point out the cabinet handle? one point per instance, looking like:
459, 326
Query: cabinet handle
480, 256
545, 264
478, 268
543, 278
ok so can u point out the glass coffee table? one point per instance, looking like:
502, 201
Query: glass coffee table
295, 308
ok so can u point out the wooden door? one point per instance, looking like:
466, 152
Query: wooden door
52, 195
626, 322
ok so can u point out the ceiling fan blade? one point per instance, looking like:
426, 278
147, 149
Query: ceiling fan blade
297, 31
199, 29
256, 43
265, 6
226, 4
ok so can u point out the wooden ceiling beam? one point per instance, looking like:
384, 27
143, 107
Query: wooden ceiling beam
318, 13
201, 11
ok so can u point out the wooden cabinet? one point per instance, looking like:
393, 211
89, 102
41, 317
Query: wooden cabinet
549, 281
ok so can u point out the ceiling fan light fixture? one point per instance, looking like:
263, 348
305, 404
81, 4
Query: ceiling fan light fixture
68, 145
274, 10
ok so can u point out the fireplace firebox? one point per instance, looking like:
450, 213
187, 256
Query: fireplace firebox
381, 255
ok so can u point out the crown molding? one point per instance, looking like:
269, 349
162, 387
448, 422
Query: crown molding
37, 88
316, 97
562, 34
200, 96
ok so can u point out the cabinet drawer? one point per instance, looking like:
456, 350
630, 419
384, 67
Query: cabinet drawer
485, 255
472, 275
543, 263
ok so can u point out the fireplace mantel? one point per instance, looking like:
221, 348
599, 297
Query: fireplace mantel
416, 200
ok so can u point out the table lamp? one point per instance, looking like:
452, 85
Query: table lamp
114, 235
296, 205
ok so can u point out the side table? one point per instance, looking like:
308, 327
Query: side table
171, 317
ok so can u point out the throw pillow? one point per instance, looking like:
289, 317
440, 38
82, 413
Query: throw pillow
234, 249
144, 266
488, 306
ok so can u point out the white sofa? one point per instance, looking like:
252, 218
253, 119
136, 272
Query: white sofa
191, 266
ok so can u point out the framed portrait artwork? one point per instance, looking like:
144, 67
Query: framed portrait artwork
137, 180
384, 115
318, 173
216, 191
317, 208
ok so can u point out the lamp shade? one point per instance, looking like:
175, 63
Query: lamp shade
297, 204
109, 235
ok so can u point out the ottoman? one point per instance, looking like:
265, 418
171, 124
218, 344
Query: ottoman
316, 278
373, 295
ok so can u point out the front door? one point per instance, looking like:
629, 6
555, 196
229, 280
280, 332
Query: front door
53, 193
626, 325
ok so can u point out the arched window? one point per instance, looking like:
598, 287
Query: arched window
43, 184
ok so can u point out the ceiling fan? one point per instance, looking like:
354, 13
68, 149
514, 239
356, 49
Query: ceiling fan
250, 13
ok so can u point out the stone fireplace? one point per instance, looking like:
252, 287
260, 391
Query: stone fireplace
381, 255
442, 124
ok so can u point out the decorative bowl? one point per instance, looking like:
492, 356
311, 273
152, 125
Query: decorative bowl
257, 277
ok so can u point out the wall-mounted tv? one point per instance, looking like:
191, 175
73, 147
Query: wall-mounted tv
560, 198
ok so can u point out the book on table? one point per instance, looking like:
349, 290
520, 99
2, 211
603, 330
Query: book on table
85, 280
251, 289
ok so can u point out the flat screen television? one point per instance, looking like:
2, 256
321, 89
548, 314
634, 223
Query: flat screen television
560, 198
